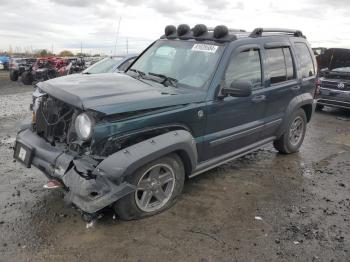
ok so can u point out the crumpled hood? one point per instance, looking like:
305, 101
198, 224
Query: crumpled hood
334, 58
116, 93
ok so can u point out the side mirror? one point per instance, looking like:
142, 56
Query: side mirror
238, 89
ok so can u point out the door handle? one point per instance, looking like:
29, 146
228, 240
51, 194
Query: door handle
258, 98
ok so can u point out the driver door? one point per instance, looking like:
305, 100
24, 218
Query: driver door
236, 122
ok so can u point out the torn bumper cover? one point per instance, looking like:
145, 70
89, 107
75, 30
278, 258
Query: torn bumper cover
87, 187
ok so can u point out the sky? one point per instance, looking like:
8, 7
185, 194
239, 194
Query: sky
69, 24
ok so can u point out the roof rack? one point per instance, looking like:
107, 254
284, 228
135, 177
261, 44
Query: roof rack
257, 32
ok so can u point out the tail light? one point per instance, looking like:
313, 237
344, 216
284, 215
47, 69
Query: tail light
318, 87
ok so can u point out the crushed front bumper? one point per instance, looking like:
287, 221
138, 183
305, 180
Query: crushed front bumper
87, 185
334, 98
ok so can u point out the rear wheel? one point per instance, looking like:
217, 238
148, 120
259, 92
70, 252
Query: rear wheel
27, 78
294, 134
158, 184
13, 75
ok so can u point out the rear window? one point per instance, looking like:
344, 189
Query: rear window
280, 64
306, 64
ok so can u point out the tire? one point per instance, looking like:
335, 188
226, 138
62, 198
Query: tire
13, 75
319, 107
27, 78
132, 206
289, 143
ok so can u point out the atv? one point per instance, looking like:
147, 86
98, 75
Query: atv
46, 68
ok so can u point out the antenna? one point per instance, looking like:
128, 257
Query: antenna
116, 37
127, 45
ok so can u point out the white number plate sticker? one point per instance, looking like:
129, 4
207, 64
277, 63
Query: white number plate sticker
205, 48
22, 154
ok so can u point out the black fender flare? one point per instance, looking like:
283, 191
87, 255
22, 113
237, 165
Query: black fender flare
126, 161
297, 102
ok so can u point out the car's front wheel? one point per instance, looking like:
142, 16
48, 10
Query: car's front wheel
158, 184
294, 134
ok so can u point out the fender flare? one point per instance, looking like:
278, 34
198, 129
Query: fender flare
126, 161
296, 103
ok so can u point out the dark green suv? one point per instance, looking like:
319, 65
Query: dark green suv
194, 99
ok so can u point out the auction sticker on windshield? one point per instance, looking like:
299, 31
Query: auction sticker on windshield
205, 48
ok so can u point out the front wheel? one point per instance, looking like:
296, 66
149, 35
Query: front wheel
27, 78
158, 184
294, 134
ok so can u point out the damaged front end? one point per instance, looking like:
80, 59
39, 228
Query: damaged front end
60, 147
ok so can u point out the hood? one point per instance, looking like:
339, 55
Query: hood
334, 58
117, 93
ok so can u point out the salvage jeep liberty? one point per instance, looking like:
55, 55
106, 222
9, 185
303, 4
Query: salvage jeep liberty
194, 99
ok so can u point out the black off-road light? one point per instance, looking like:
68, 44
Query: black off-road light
169, 30
183, 29
220, 31
199, 30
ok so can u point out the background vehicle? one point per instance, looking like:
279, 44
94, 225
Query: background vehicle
18, 65
47, 68
334, 66
78, 64
195, 99
89, 61
318, 50
4, 59
111, 64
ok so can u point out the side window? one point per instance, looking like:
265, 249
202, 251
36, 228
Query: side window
280, 65
244, 66
306, 64
289, 63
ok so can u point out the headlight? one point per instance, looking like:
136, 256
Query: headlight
83, 126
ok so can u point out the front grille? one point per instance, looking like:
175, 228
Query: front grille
53, 120
334, 85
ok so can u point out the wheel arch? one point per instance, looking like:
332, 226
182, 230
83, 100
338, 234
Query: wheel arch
126, 161
304, 101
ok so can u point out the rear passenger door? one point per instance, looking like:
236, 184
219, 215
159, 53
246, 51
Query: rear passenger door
281, 85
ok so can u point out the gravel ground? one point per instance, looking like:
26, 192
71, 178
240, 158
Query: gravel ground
261, 207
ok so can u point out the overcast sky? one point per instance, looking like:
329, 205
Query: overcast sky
64, 24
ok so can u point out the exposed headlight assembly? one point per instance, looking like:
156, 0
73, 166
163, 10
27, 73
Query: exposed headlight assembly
83, 126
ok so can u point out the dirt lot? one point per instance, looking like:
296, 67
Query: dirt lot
261, 207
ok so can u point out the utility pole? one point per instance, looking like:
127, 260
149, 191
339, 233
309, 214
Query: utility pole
116, 37
51, 48
81, 47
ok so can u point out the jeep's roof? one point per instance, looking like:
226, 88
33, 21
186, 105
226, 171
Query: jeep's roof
222, 34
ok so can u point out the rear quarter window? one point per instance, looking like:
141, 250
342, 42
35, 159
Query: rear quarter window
307, 67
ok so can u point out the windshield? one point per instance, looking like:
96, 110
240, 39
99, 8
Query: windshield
188, 63
106, 65
342, 69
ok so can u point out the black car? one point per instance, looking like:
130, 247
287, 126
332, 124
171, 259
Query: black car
334, 79
19, 65
194, 99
